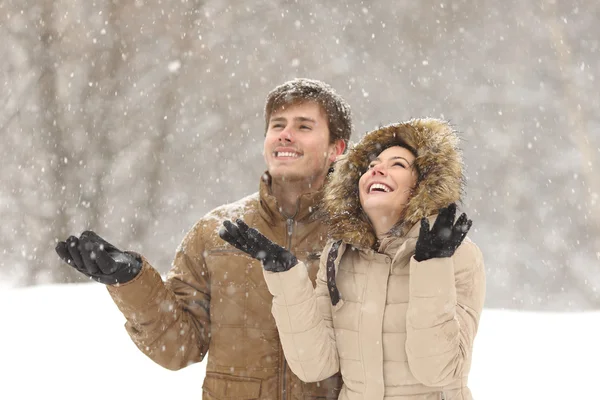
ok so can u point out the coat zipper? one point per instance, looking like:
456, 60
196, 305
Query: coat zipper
283, 389
442, 396
290, 232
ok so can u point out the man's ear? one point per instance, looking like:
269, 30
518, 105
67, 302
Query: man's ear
337, 148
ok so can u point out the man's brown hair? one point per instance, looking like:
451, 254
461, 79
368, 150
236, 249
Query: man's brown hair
302, 90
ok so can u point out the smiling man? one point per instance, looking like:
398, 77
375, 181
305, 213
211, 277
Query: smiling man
298, 151
215, 299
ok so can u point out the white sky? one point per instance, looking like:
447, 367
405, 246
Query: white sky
68, 342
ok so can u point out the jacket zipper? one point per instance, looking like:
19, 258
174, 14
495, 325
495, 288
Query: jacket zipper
283, 389
290, 232
442, 396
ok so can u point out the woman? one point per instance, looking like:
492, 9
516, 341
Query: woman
397, 303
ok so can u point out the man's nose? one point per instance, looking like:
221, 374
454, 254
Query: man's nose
286, 135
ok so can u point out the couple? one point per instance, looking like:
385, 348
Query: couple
399, 291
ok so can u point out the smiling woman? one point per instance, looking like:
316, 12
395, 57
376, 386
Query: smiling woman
386, 186
397, 303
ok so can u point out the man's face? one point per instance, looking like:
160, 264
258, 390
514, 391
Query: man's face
297, 145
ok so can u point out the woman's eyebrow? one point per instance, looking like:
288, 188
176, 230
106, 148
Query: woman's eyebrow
399, 158
391, 158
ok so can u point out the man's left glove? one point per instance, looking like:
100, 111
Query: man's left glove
99, 260
273, 257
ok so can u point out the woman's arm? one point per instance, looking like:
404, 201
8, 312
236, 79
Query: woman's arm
445, 302
304, 321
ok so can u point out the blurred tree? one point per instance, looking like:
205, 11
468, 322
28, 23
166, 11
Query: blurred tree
135, 118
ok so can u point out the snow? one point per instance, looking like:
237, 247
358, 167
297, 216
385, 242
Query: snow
68, 342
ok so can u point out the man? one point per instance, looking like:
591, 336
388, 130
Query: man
215, 299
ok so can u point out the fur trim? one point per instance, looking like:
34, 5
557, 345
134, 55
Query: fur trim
441, 178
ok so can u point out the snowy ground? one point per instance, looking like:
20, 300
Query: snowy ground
68, 342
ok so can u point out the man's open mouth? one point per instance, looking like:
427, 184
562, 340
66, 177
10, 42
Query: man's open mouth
287, 154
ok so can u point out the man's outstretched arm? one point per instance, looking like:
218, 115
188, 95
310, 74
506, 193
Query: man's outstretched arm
168, 321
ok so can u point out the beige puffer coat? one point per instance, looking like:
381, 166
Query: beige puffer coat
401, 329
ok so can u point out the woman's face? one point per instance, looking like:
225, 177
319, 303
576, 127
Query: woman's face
385, 188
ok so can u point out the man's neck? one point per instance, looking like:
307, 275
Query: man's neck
288, 194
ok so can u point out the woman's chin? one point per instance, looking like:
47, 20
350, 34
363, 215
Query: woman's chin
375, 203
379, 211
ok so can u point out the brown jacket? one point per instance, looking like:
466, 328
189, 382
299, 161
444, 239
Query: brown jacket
215, 300
397, 328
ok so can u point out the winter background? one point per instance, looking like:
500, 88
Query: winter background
135, 118
68, 343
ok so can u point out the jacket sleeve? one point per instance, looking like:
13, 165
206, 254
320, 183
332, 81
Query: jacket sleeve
445, 302
304, 321
169, 321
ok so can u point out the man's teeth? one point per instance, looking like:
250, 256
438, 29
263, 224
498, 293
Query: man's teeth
286, 154
379, 186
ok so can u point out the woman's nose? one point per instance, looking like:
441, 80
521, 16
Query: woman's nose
379, 169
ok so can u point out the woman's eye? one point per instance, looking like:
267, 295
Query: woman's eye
400, 164
304, 127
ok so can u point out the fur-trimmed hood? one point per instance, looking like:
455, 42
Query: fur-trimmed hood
441, 178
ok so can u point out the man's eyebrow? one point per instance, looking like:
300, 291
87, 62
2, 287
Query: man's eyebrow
297, 119
304, 119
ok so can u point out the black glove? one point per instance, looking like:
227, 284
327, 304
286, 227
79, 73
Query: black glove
99, 260
274, 258
445, 236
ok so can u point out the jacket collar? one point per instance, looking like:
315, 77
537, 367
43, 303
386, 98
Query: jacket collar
390, 243
398, 247
306, 206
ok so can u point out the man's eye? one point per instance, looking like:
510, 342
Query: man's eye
305, 127
276, 126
